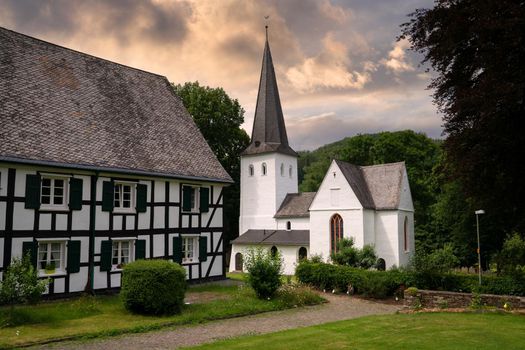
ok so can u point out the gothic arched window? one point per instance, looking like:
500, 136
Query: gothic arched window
405, 234
336, 232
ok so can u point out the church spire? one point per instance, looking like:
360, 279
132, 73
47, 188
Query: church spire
269, 130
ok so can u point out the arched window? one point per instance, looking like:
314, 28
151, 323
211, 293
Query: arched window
238, 262
282, 169
302, 254
288, 225
250, 170
263, 168
405, 234
336, 231
290, 171
273, 251
381, 264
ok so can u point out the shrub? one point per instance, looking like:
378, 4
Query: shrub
349, 255
511, 258
264, 272
153, 287
20, 283
438, 262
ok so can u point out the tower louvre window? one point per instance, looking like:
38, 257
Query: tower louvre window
263, 169
250, 170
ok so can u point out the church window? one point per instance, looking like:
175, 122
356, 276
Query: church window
250, 170
336, 232
282, 169
302, 254
263, 168
405, 234
273, 251
288, 225
290, 171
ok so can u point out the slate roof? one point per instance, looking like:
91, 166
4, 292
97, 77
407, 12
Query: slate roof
296, 205
376, 186
274, 237
66, 108
269, 130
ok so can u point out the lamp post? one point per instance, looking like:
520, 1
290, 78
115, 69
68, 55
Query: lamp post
478, 213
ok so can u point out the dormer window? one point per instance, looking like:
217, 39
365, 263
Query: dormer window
263, 169
250, 170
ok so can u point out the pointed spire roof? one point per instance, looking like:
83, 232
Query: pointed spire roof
269, 130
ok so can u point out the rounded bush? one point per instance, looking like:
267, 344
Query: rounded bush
264, 272
153, 287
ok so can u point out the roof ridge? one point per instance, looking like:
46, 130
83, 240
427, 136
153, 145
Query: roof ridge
380, 165
81, 53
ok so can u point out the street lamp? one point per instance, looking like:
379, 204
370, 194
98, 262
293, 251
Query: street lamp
478, 213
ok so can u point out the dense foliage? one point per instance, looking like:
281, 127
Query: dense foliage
476, 50
20, 283
154, 287
219, 118
380, 284
349, 255
264, 272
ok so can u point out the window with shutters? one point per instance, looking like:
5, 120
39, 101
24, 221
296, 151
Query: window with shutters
51, 257
191, 199
190, 249
124, 197
121, 253
53, 193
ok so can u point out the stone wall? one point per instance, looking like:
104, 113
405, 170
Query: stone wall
439, 299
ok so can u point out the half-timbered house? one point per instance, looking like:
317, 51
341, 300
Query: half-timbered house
100, 165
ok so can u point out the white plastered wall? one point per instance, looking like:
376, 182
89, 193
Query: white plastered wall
289, 254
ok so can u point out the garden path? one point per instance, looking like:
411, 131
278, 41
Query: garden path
339, 307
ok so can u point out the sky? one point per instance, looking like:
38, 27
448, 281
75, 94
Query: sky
339, 67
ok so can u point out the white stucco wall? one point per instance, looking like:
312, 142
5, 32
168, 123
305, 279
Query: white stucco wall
296, 223
387, 236
261, 195
289, 254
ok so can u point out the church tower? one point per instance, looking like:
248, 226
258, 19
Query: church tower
268, 164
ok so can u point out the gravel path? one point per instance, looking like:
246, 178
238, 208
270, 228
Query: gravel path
340, 307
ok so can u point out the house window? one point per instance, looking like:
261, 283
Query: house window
336, 232
290, 171
250, 170
51, 257
53, 193
282, 169
123, 197
405, 234
263, 168
288, 225
191, 199
121, 253
190, 252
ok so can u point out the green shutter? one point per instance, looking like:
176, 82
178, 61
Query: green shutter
177, 249
186, 198
105, 255
32, 192
73, 256
204, 199
108, 195
75, 193
142, 191
203, 248
140, 249
31, 248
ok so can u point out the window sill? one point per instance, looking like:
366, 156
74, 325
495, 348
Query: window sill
54, 274
124, 211
52, 208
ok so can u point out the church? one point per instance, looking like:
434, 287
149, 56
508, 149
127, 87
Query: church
371, 204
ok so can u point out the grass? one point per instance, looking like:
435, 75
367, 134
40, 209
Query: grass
401, 331
91, 317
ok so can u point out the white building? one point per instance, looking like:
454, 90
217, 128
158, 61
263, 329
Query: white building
101, 164
371, 204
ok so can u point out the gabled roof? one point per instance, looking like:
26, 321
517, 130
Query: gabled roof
66, 108
376, 186
271, 237
269, 130
296, 205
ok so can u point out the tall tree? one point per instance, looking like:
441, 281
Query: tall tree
219, 118
477, 51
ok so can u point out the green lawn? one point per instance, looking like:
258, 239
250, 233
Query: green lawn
402, 331
90, 317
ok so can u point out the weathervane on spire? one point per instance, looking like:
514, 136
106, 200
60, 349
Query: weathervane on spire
266, 26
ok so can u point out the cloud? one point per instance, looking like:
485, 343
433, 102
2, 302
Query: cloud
329, 69
397, 61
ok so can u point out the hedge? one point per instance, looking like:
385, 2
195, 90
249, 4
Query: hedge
380, 284
153, 287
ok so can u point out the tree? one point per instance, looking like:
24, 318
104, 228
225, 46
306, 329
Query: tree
476, 49
219, 118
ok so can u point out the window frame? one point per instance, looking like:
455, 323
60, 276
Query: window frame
196, 193
282, 169
133, 197
131, 251
406, 244
264, 169
195, 249
60, 270
251, 170
290, 171
65, 192
336, 231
